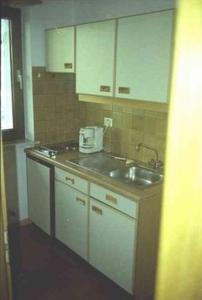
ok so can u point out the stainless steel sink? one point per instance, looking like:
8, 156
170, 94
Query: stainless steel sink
98, 162
136, 175
105, 164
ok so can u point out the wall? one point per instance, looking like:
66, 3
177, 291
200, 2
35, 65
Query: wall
57, 113
27, 76
130, 127
69, 12
16, 180
57, 116
11, 183
22, 178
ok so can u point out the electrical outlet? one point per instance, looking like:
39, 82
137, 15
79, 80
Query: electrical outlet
108, 122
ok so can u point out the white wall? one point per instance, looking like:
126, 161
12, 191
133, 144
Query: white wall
60, 13
47, 16
91, 10
21, 172
70, 12
27, 76
16, 180
11, 182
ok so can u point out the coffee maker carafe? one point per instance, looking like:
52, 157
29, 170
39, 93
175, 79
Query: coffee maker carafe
90, 139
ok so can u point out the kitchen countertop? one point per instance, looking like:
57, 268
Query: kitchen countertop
130, 191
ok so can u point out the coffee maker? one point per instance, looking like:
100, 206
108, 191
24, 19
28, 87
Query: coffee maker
90, 139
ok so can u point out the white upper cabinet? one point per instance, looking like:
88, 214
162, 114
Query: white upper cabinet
60, 50
144, 45
95, 58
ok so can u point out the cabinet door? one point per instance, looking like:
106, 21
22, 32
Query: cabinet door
38, 187
111, 244
60, 50
144, 56
71, 213
95, 58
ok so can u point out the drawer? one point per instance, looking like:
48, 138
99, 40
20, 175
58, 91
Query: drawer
72, 180
115, 200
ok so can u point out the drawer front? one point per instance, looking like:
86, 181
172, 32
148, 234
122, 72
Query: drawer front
72, 180
117, 201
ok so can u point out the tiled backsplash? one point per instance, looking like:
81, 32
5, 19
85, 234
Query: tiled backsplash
56, 107
130, 127
58, 115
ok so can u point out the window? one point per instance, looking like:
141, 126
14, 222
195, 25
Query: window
6, 85
12, 108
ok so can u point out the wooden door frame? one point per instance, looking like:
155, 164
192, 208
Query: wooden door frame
5, 271
180, 256
18, 132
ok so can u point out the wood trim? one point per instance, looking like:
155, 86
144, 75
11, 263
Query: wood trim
105, 88
138, 104
96, 209
111, 199
147, 247
18, 132
80, 200
5, 270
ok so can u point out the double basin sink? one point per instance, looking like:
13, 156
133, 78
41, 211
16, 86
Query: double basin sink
131, 174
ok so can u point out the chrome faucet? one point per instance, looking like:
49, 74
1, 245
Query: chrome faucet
154, 163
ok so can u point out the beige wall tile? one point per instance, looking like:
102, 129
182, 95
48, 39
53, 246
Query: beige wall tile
117, 108
55, 107
131, 127
127, 120
58, 116
117, 119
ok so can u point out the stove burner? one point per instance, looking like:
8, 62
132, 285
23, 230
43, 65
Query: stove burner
51, 150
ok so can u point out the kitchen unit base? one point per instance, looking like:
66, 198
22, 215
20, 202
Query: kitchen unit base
106, 199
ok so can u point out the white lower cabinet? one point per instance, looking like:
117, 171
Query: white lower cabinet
101, 231
112, 243
71, 218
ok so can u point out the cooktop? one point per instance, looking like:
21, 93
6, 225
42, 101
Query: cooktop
51, 150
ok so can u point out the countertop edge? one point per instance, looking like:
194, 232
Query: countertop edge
61, 161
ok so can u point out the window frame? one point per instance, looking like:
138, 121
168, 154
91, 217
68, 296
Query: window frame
18, 132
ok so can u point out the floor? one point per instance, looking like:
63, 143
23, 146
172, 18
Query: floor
46, 270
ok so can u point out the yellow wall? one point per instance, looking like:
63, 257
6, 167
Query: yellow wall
180, 259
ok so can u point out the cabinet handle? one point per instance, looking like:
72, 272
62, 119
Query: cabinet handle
68, 65
111, 199
97, 210
69, 179
124, 90
83, 202
105, 88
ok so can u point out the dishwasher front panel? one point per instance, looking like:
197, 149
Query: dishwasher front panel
39, 178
